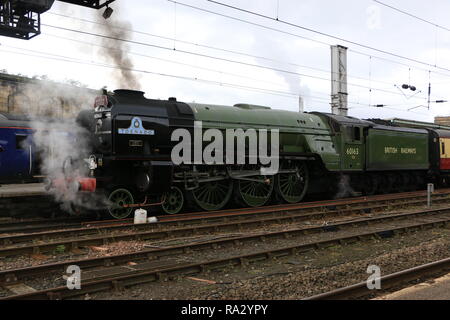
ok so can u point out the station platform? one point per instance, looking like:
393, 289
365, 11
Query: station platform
23, 200
438, 289
22, 190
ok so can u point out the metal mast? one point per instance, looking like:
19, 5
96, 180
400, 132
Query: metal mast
339, 80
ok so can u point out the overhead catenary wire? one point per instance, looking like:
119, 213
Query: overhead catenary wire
257, 56
412, 15
303, 37
213, 47
164, 59
218, 58
386, 107
434, 24
327, 35
305, 75
52, 56
370, 88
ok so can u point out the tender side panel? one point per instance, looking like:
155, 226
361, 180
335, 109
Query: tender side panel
397, 150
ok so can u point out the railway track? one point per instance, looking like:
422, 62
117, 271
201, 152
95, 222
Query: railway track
39, 225
325, 207
151, 265
72, 239
36, 225
360, 290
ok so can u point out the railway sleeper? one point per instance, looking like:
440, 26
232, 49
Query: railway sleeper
242, 260
117, 286
54, 295
108, 263
9, 278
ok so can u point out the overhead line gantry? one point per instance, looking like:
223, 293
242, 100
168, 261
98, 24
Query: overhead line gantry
22, 18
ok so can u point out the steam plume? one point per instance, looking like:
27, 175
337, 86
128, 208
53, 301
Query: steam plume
344, 188
115, 30
57, 136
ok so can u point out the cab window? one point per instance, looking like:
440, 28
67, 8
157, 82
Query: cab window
353, 133
21, 141
357, 133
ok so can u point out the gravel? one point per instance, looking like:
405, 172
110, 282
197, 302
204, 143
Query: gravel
289, 278
301, 276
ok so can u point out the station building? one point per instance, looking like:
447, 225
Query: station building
445, 121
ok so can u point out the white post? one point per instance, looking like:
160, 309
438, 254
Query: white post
339, 92
430, 190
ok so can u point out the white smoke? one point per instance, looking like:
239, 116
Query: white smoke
278, 50
344, 188
60, 143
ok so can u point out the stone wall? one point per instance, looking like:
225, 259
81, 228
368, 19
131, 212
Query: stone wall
19, 95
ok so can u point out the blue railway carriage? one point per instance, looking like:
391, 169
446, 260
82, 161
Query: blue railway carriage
17, 156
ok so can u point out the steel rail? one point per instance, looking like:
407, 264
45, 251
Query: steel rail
14, 275
313, 204
141, 276
100, 239
35, 224
278, 216
39, 224
361, 290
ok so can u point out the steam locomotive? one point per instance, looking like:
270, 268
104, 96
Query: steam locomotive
133, 141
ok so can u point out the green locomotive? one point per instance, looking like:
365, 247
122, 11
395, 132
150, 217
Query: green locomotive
133, 139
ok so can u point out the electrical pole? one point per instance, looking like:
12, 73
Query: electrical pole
339, 92
429, 89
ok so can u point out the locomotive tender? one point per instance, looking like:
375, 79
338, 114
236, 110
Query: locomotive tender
132, 143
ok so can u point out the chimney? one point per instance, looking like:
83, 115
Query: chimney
129, 93
301, 107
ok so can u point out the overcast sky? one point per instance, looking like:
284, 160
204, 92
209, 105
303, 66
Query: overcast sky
371, 80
